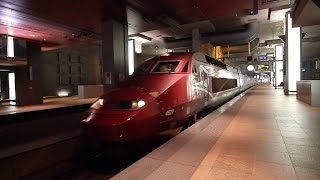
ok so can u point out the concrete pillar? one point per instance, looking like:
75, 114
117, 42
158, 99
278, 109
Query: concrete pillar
114, 53
28, 78
292, 59
196, 40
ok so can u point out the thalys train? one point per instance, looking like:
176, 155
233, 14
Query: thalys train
162, 94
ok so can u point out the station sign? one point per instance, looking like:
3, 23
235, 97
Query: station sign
263, 68
263, 58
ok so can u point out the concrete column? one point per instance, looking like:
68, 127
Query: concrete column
28, 78
114, 53
196, 40
292, 56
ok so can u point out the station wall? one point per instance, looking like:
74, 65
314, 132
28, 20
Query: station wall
66, 68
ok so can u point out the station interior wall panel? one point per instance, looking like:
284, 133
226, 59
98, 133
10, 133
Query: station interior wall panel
65, 69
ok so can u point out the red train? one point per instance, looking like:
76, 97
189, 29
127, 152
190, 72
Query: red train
164, 93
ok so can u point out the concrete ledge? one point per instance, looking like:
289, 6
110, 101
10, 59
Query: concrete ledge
90, 91
308, 92
179, 157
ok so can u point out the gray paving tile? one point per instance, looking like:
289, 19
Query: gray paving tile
194, 151
306, 160
139, 170
307, 174
165, 151
174, 171
299, 141
298, 149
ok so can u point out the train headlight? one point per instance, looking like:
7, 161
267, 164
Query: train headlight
141, 103
97, 104
134, 104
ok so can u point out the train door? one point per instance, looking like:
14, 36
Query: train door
195, 82
205, 84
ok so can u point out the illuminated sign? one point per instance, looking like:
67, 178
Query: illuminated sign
263, 67
263, 58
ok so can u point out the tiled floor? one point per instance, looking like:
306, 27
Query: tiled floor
261, 134
272, 137
48, 104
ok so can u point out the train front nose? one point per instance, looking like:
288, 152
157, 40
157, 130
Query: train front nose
109, 127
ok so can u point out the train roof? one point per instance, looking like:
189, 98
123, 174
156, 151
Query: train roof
198, 56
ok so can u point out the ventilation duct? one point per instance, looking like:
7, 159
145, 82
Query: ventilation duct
248, 34
241, 48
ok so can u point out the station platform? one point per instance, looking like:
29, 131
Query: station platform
50, 103
260, 134
27, 128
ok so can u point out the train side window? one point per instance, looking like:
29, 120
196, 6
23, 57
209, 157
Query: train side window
185, 68
194, 69
222, 84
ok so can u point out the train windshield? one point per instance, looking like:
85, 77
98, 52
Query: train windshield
143, 68
166, 67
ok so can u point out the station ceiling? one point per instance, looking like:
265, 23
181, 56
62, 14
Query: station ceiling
61, 22
58, 23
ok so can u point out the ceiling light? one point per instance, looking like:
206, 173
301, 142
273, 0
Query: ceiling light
141, 38
32, 35
250, 68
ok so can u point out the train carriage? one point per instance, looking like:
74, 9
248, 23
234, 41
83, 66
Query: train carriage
164, 93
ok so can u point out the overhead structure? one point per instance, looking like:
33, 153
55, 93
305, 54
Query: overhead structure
248, 34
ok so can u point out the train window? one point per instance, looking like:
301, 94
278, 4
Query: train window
143, 68
222, 84
216, 62
194, 69
185, 68
166, 67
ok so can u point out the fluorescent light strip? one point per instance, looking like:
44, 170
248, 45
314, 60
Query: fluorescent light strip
10, 47
279, 52
131, 56
294, 46
12, 88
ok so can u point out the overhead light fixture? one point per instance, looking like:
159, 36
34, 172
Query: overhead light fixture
140, 38
304, 34
283, 38
32, 35
131, 49
250, 68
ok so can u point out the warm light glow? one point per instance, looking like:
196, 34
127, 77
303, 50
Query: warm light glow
131, 56
97, 104
140, 39
63, 93
12, 88
8, 17
10, 47
250, 68
166, 54
294, 46
138, 47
